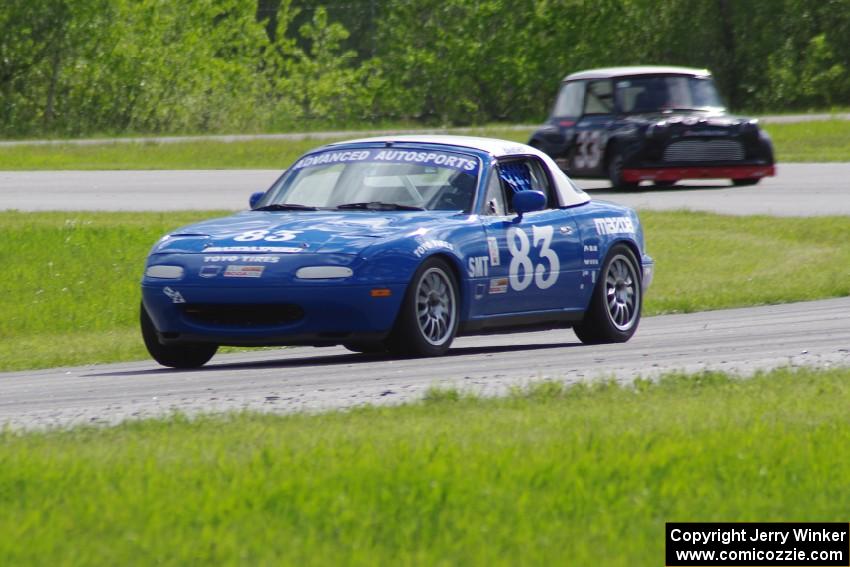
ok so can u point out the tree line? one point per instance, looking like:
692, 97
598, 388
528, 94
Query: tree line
83, 67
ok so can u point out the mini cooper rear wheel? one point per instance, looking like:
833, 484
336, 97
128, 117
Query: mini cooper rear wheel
174, 356
615, 307
615, 172
745, 182
428, 319
664, 183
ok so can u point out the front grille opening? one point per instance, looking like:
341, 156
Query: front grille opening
704, 150
254, 315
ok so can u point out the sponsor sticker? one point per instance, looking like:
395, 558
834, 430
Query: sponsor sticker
493, 247
614, 225
209, 271
447, 160
477, 266
246, 259
174, 295
705, 133
239, 271
498, 285
332, 157
591, 254
431, 245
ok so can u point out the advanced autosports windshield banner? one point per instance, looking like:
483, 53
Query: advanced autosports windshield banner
762, 544
449, 160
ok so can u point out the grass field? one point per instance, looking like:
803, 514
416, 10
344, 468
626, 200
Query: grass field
71, 280
548, 476
809, 142
254, 154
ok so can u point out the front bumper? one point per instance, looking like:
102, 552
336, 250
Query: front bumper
239, 315
676, 173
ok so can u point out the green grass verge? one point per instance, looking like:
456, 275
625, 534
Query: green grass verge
71, 280
253, 154
706, 261
809, 141
548, 476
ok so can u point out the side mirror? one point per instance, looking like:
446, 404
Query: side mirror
528, 201
255, 198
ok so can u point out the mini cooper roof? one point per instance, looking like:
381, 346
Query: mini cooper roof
568, 192
611, 72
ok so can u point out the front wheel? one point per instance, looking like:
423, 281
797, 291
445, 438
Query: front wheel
173, 356
615, 172
614, 311
429, 315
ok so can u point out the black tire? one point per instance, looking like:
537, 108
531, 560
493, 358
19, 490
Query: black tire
745, 182
366, 347
615, 171
614, 311
173, 356
430, 312
663, 183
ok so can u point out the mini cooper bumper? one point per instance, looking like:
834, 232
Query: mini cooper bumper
677, 173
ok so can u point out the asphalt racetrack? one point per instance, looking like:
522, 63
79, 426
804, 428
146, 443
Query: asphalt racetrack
798, 190
305, 378
284, 380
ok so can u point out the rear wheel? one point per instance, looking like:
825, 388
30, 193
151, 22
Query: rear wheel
745, 182
174, 356
614, 311
663, 183
429, 315
615, 172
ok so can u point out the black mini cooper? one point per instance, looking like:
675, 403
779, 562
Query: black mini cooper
659, 124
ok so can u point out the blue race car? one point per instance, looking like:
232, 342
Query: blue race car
399, 244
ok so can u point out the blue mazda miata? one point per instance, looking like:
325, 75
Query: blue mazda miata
398, 244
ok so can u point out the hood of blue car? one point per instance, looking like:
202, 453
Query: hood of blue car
269, 232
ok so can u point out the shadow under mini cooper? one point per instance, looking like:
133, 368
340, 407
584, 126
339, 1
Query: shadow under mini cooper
659, 124
398, 244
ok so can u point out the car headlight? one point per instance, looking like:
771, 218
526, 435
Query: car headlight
323, 272
165, 272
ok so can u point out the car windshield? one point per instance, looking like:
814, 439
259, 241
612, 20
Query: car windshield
657, 94
376, 179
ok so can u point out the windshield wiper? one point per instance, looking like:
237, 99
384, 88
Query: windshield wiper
286, 207
380, 206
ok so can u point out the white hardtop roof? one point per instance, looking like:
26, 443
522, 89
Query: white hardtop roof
493, 146
611, 72
568, 192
